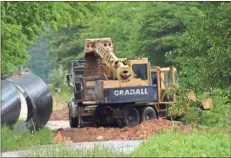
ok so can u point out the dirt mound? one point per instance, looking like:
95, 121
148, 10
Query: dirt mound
95, 67
144, 130
61, 114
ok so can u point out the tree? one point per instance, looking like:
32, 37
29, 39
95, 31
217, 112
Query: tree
148, 29
41, 63
204, 58
22, 22
162, 26
66, 43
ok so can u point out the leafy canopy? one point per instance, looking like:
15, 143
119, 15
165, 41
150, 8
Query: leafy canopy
22, 22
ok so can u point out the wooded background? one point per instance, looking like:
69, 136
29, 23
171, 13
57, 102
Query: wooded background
195, 37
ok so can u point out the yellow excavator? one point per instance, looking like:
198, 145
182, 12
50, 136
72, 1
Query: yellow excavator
111, 91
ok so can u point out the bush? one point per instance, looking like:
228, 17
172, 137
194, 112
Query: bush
218, 116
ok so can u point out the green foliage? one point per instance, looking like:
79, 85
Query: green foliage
167, 144
15, 139
218, 116
54, 74
65, 43
63, 46
23, 22
161, 29
147, 29
20, 23
204, 57
66, 94
41, 63
203, 60
59, 82
177, 144
114, 24
14, 45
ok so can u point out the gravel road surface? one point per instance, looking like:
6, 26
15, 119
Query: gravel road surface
54, 125
125, 146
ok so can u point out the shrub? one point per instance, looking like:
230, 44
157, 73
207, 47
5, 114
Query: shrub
218, 116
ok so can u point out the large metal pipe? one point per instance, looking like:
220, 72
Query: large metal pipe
37, 96
10, 103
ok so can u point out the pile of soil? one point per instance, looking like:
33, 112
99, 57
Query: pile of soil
16, 76
144, 130
62, 114
95, 67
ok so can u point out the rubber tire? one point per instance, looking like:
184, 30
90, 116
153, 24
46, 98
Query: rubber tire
120, 123
148, 111
73, 121
97, 115
126, 121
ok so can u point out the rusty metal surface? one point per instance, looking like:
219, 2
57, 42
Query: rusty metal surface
10, 103
38, 98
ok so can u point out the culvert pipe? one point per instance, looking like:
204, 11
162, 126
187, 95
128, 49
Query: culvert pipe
37, 97
10, 103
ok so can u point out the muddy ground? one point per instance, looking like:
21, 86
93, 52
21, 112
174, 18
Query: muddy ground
59, 115
145, 130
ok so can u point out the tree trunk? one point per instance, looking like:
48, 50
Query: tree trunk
60, 70
20, 68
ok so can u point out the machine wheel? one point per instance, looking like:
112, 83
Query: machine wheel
120, 123
73, 121
98, 118
148, 113
132, 117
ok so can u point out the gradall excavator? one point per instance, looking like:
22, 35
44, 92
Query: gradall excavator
111, 91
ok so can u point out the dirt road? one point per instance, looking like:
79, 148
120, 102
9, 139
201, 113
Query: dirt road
59, 115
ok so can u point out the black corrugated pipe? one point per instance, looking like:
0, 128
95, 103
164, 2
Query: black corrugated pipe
37, 96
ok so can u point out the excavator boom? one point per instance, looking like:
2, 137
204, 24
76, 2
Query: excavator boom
104, 49
126, 92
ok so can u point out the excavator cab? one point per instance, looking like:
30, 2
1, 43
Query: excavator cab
164, 79
141, 68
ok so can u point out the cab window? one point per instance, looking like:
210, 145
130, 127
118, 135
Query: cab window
154, 78
140, 70
168, 79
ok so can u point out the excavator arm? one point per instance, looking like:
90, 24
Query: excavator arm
103, 47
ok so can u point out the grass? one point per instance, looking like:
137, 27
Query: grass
15, 139
177, 144
65, 95
167, 144
61, 98
63, 150
55, 107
